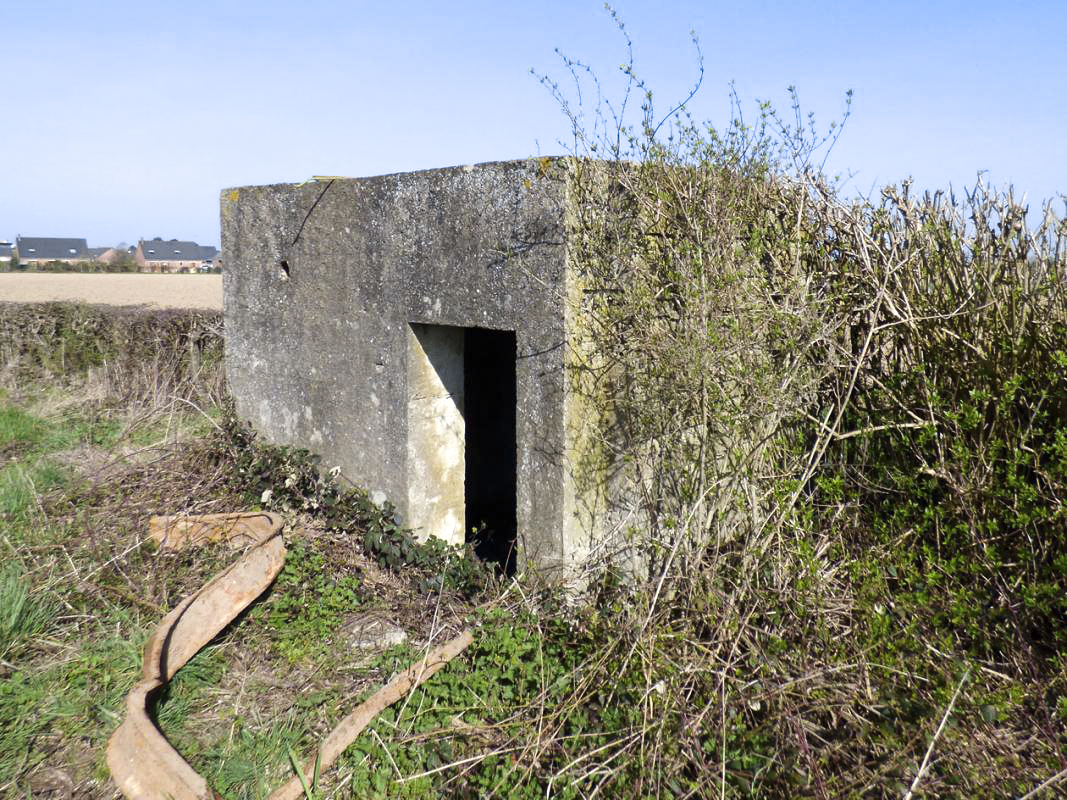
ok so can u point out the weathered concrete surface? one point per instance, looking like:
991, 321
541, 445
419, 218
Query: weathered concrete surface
436, 432
326, 289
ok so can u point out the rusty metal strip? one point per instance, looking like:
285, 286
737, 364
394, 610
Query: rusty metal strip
142, 762
237, 529
352, 726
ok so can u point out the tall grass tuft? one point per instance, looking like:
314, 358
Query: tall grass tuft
23, 615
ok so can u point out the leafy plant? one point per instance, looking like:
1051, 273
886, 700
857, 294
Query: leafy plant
309, 601
287, 479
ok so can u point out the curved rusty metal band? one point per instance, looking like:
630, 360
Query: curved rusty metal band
142, 762
351, 726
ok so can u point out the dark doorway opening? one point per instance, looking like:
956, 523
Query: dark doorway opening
489, 417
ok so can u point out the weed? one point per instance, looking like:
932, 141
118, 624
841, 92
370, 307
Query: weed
309, 601
310, 788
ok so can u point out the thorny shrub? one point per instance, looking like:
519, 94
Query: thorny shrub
844, 429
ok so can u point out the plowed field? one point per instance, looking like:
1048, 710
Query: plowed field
163, 291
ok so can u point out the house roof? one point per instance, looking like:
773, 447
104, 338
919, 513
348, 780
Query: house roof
6, 249
50, 249
175, 250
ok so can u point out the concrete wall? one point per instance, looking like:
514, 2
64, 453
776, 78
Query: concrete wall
323, 283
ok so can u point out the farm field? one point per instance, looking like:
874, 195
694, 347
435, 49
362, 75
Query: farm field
161, 291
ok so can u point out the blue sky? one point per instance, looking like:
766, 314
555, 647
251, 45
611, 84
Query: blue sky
126, 119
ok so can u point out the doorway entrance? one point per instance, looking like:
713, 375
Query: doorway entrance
462, 438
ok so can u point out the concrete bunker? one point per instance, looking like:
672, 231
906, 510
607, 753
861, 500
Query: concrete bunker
421, 337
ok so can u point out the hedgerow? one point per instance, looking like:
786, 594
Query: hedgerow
844, 426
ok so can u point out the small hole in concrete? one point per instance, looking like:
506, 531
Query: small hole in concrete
285, 269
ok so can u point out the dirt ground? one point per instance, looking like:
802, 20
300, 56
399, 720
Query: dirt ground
122, 289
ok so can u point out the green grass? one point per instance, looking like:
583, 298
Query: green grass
23, 433
72, 629
250, 762
23, 614
68, 654
52, 705
183, 696
28, 468
21, 722
21, 518
18, 493
19, 428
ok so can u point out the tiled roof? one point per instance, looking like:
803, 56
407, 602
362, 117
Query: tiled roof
175, 250
49, 249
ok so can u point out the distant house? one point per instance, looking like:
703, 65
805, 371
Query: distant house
7, 250
35, 251
173, 255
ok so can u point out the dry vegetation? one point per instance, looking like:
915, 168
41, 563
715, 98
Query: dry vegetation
846, 427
